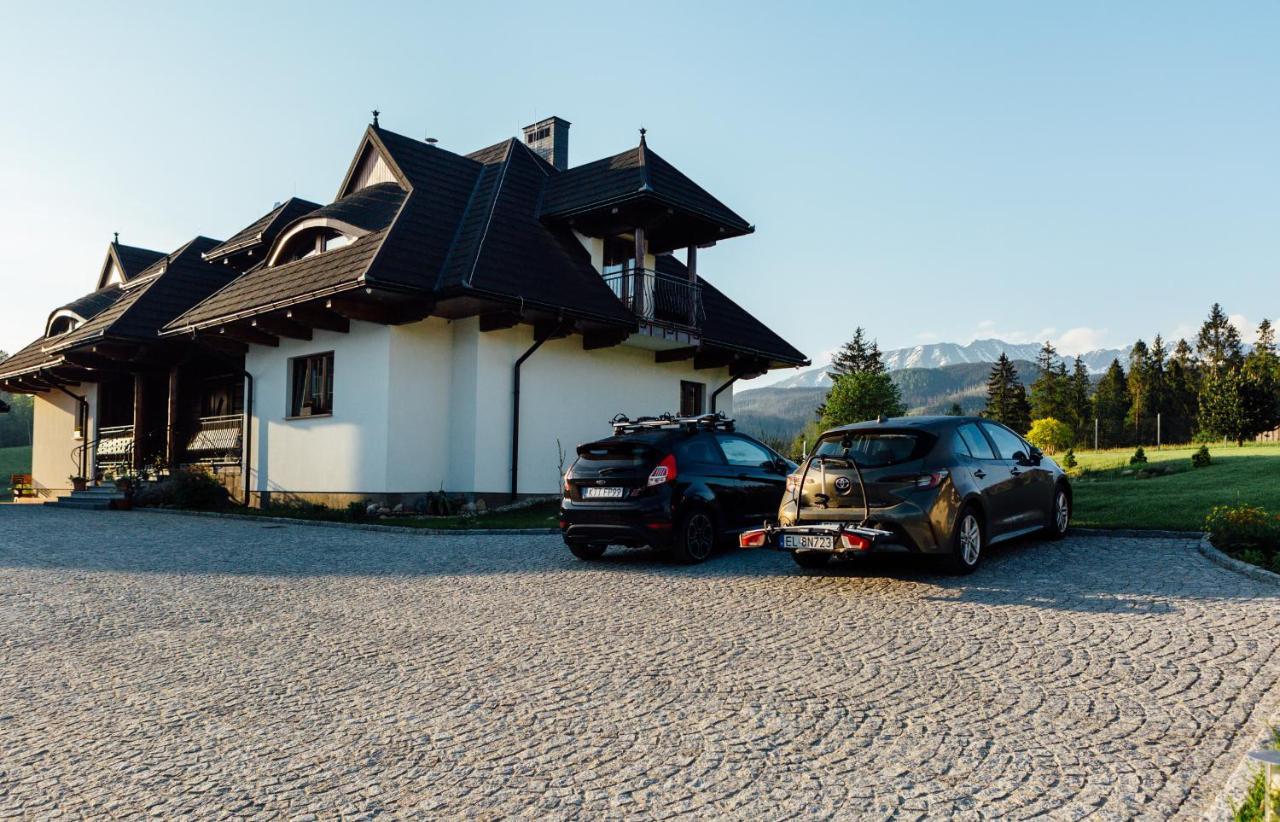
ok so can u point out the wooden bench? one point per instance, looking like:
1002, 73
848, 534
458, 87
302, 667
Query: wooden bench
22, 486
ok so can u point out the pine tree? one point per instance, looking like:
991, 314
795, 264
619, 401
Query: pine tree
1219, 342
1111, 403
955, 410
1139, 386
859, 355
1049, 392
1261, 374
1182, 389
1080, 409
1007, 397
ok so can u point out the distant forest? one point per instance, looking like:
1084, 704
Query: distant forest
15, 426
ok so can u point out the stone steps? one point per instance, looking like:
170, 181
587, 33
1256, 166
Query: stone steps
97, 498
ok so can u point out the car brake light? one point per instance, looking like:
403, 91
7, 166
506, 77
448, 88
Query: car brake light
932, 480
751, 539
853, 542
664, 472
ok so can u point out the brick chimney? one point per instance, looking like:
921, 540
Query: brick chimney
550, 138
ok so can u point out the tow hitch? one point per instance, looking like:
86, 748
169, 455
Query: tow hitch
827, 537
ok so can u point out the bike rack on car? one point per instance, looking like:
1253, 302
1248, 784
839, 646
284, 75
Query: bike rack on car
711, 422
846, 538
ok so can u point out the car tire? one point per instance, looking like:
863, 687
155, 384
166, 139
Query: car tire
968, 541
587, 550
811, 559
695, 536
1059, 513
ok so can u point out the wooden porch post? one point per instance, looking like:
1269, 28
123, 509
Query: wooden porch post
637, 274
171, 432
137, 422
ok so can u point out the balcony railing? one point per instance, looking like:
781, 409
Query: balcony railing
216, 440
114, 446
658, 298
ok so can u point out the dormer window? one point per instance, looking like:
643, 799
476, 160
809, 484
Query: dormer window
309, 243
62, 322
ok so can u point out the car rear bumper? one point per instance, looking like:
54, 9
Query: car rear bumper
633, 522
912, 527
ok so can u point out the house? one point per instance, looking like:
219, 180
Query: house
448, 321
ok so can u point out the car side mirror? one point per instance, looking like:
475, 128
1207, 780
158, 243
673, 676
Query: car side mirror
1021, 457
1036, 455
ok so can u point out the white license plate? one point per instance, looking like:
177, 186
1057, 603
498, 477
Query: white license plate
814, 542
602, 493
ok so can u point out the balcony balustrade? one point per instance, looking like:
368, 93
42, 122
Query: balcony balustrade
658, 298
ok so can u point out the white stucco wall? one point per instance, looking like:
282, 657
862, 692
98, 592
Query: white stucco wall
428, 405
53, 437
567, 394
344, 452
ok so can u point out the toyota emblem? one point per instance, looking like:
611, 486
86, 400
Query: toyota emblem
843, 485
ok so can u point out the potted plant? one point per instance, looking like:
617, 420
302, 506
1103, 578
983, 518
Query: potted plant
78, 484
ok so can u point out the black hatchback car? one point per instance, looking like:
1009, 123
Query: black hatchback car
679, 483
947, 486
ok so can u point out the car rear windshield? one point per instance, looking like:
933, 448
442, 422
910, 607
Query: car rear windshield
633, 451
874, 449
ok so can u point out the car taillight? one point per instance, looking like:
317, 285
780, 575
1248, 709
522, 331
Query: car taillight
568, 489
932, 480
853, 542
664, 472
751, 539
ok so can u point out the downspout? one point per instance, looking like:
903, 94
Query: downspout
716, 393
84, 425
515, 406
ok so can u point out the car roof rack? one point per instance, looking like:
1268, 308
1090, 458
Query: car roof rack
622, 424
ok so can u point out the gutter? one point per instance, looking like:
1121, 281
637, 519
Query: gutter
716, 393
515, 405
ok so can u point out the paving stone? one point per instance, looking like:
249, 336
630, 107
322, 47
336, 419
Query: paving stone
190, 667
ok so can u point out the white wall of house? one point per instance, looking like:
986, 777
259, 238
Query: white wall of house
426, 405
344, 452
54, 439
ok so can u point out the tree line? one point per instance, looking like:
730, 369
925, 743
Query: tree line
15, 426
1212, 390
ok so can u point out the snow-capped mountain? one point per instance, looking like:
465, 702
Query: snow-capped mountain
937, 355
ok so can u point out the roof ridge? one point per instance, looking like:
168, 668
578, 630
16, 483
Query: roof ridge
493, 207
457, 229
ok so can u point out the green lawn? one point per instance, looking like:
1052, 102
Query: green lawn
1110, 494
15, 460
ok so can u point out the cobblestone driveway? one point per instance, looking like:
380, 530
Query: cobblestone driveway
167, 664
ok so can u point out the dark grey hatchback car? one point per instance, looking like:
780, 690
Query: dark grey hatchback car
946, 486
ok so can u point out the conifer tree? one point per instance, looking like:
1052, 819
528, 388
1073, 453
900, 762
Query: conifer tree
859, 355
1218, 343
1080, 413
861, 389
1111, 403
1049, 395
1139, 384
1007, 397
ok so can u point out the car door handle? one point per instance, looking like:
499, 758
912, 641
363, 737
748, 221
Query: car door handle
1014, 471
980, 474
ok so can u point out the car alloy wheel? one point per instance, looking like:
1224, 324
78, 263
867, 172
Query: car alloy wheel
699, 536
970, 540
1061, 511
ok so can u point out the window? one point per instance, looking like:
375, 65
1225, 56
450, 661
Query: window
311, 242
1007, 442
744, 452
699, 450
876, 449
312, 393
692, 397
619, 254
978, 445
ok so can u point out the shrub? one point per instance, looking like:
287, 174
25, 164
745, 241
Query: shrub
1245, 531
184, 488
1050, 435
1200, 459
357, 511
1139, 457
1070, 461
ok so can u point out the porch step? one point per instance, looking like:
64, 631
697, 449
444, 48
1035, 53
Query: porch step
97, 498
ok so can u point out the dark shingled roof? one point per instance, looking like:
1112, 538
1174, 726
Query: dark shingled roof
157, 295
731, 326
31, 358
634, 174
93, 303
134, 260
471, 226
263, 230
370, 208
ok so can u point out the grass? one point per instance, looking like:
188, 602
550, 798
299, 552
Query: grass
1172, 495
539, 515
13, 460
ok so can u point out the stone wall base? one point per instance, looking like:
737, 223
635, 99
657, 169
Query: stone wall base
411, 500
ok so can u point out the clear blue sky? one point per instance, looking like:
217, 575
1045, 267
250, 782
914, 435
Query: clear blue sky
932, 171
